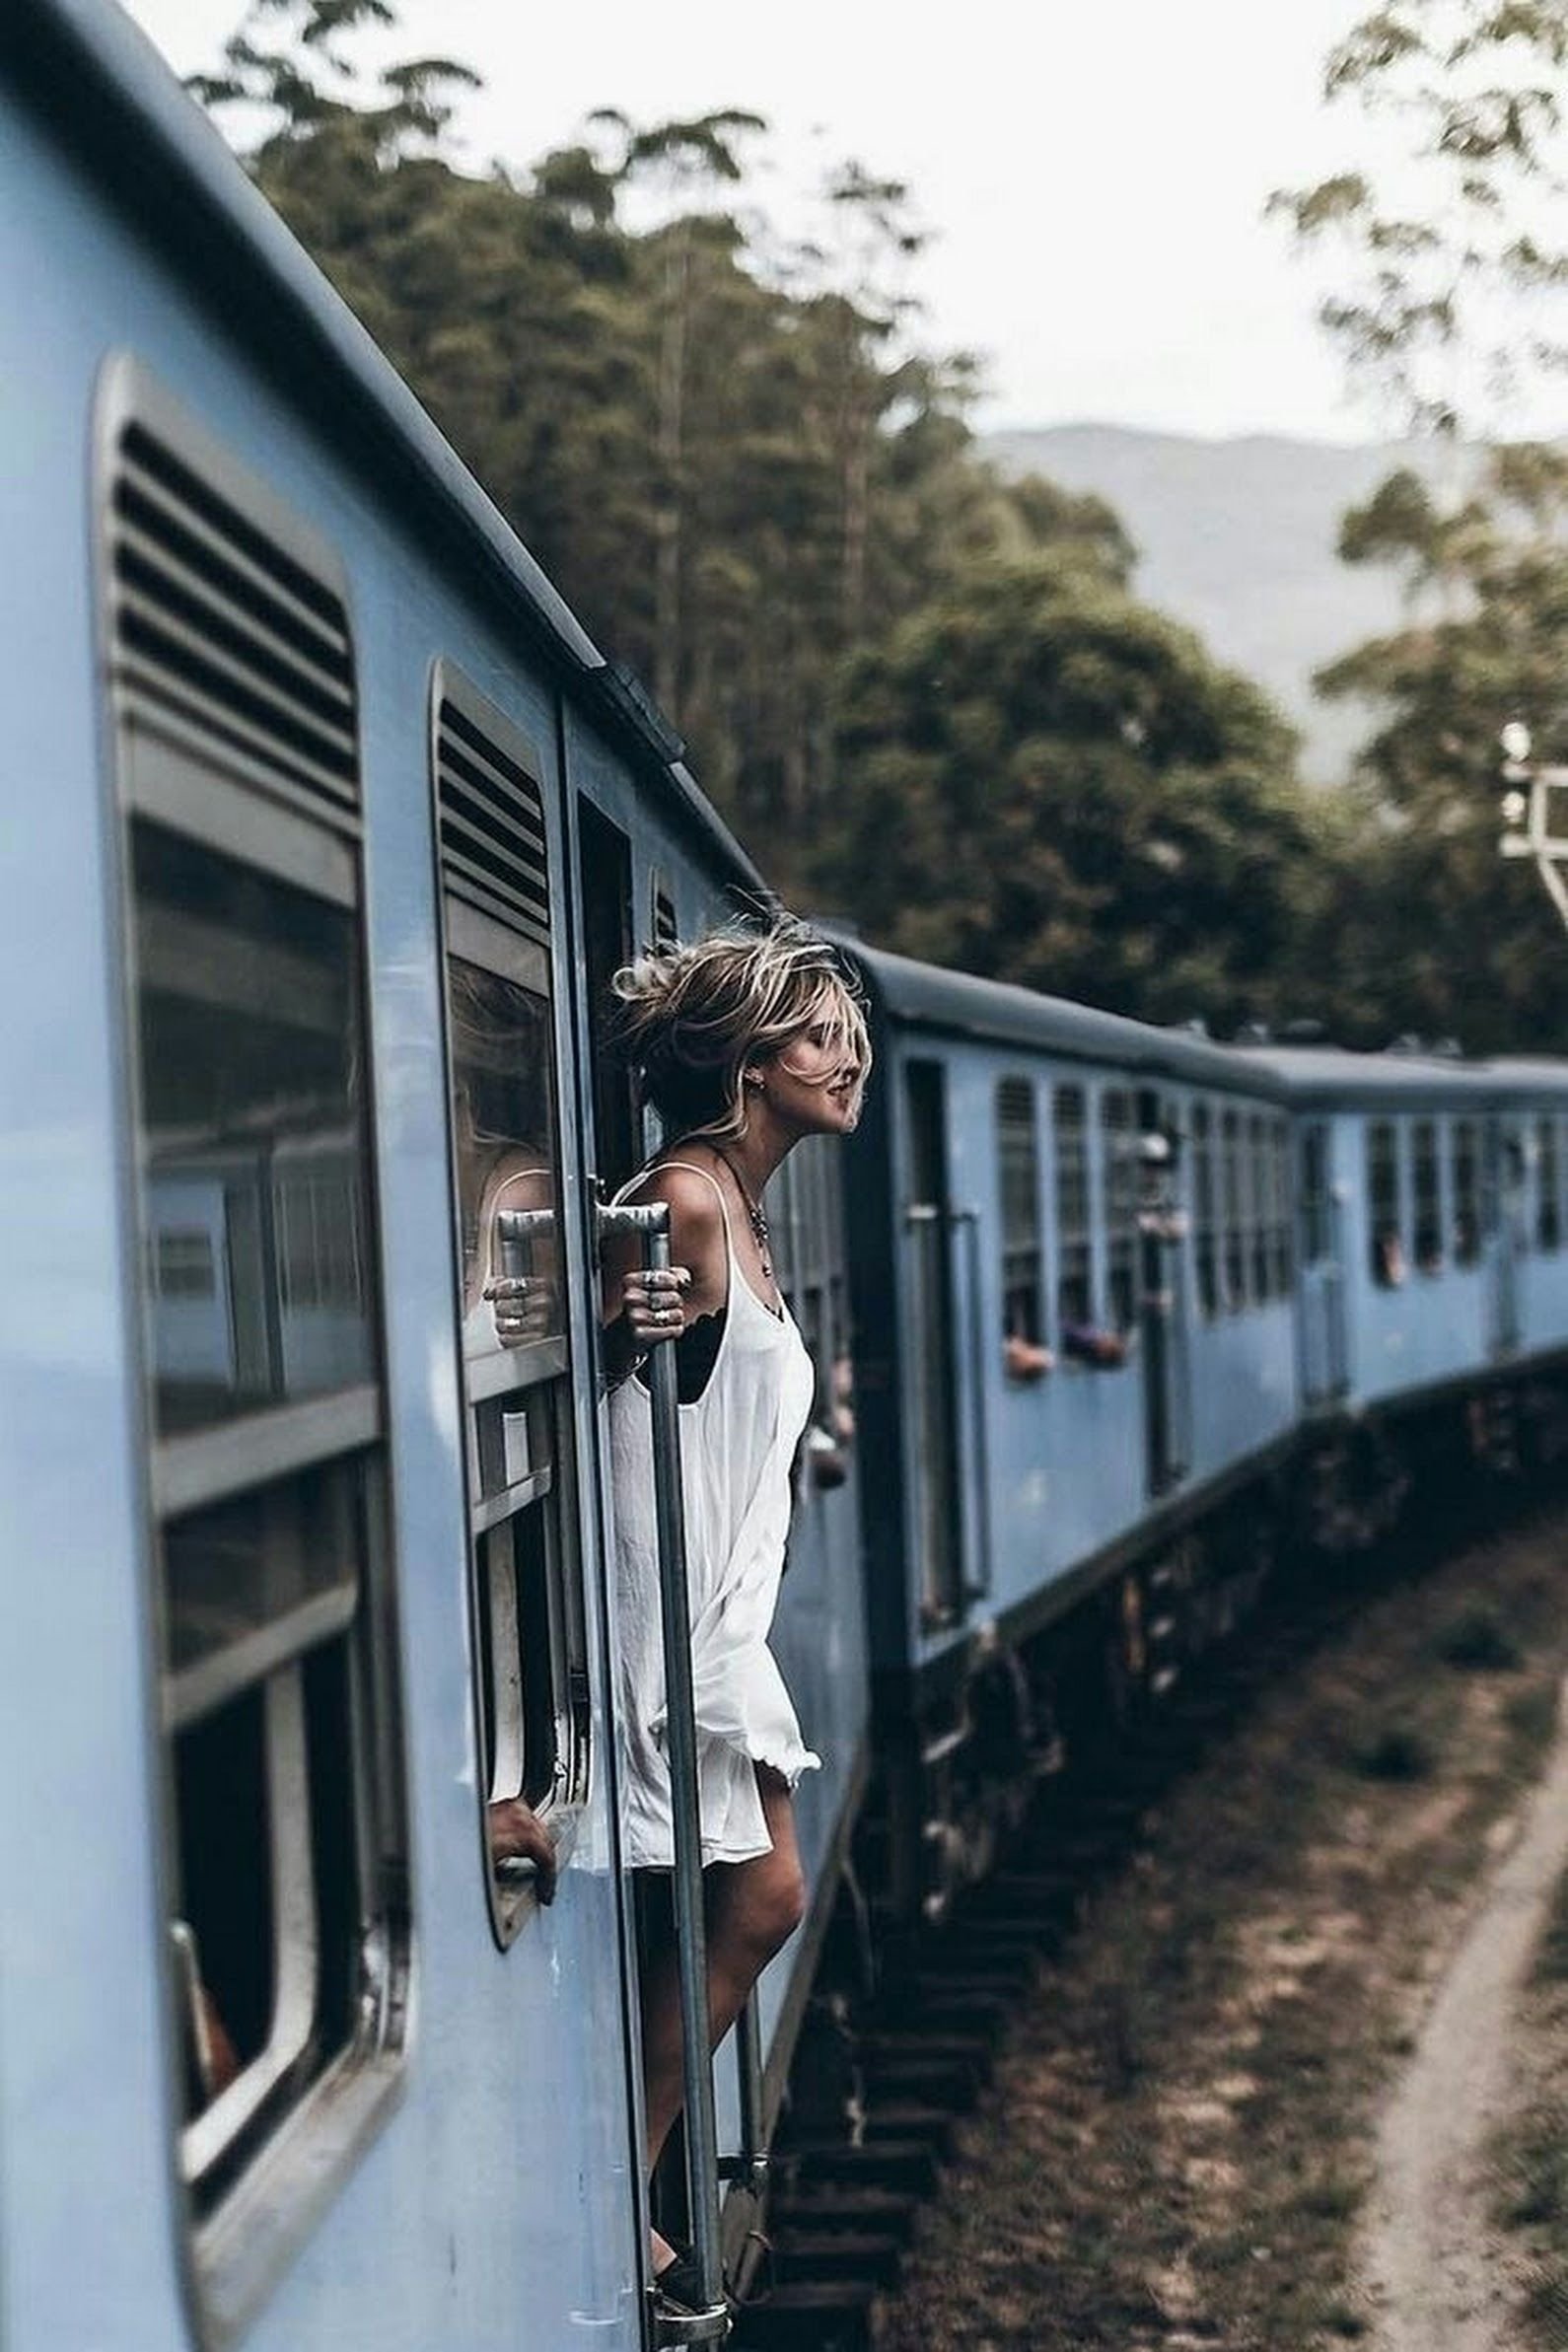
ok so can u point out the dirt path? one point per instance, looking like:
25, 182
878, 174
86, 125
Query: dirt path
1441, 2274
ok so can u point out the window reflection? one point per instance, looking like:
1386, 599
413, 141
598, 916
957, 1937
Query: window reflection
504, 1125
254, 1135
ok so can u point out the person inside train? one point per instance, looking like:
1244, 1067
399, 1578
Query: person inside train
1092, 1344
744, 1043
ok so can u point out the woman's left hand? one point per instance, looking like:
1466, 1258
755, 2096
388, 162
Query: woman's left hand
522, 1304
516, 1832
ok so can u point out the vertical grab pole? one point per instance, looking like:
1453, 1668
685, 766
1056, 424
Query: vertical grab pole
712, 2323
749, 2166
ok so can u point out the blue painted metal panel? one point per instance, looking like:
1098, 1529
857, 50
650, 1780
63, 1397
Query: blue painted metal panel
510, 2160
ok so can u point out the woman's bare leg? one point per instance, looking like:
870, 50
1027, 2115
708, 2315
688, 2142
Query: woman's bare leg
752, 1908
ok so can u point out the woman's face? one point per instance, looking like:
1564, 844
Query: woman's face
813, 1081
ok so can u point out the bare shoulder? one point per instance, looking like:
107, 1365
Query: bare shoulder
691, 1197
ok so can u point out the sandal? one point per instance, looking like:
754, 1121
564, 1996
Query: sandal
679, 2284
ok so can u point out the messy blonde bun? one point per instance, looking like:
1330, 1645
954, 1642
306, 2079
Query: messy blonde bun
691, 1016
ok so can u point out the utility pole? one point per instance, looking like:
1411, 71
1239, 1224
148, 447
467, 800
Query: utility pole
1535, 820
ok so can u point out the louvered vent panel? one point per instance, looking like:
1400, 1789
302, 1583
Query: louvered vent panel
492, 828
664, 930
1014, 1105
218, 625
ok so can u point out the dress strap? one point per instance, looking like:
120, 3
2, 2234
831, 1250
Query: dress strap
691, 1169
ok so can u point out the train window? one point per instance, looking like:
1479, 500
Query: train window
531, 1645
1259, 1164
1282, 1251
1316, 1201
1023, 1268
1232, 1210
234, 694
1385, 1227
1427, 1188
666, 930
1075, 1290
1118, 1141
1465, 1169
1205, 1239
1549, 1204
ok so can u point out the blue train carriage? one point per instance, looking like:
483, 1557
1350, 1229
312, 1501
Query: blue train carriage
1073, 1252
1432, 1206
334, 823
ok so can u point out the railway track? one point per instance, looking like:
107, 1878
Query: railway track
886, 2079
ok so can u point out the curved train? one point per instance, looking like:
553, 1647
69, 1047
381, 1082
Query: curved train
326, 824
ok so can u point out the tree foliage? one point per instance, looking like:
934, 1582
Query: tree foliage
1440, 935
1047, 782
926, 698
1459, 250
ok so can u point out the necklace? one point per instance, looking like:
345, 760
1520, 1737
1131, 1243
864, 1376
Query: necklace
756, 1216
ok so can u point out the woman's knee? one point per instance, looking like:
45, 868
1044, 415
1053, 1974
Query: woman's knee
780, 1904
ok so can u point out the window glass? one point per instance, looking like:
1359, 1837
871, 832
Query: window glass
1283, 1251
1261, 1173
1119, 1191
1386, 1239
503, 1132
1018, 1163
1234, 1210
1465, 1168
1315, 1207
251, 1060
1075, 1304
1429, 1252
1549, 1204
1206, 1247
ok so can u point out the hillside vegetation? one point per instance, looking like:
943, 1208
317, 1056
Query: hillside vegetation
923, 692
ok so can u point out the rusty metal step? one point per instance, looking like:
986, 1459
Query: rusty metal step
874, 2255
936, 2083
809, 2315
834, 2206
908, 2165
911, 2121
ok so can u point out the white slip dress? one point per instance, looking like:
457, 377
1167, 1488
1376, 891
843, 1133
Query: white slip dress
738, 1442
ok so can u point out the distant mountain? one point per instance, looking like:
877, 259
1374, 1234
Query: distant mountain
1237, 539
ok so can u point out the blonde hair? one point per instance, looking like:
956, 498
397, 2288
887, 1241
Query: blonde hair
692, 1017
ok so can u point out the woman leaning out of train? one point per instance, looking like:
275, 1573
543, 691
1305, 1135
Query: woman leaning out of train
746, 1041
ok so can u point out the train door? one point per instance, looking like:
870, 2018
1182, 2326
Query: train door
605, 898
1502, 1221
1322, 1282
932, 1355
1161, 1299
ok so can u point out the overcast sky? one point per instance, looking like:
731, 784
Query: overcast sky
1093, 177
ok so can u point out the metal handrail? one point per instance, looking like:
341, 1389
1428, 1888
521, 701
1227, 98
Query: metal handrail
710, 2324
747, 2167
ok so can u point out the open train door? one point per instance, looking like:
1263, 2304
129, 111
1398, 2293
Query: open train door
1161, 1226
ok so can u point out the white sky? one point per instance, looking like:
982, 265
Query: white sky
1095, 176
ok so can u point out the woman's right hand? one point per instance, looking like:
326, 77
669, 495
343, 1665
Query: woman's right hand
651, 1301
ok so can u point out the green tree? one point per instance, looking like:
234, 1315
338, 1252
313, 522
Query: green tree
1436, 934
1046, 781
1458, 248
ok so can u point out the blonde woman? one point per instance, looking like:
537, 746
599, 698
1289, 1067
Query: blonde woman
746, 1042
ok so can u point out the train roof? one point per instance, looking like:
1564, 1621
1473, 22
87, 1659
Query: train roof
1328, 1073
998, 1013
107, 93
